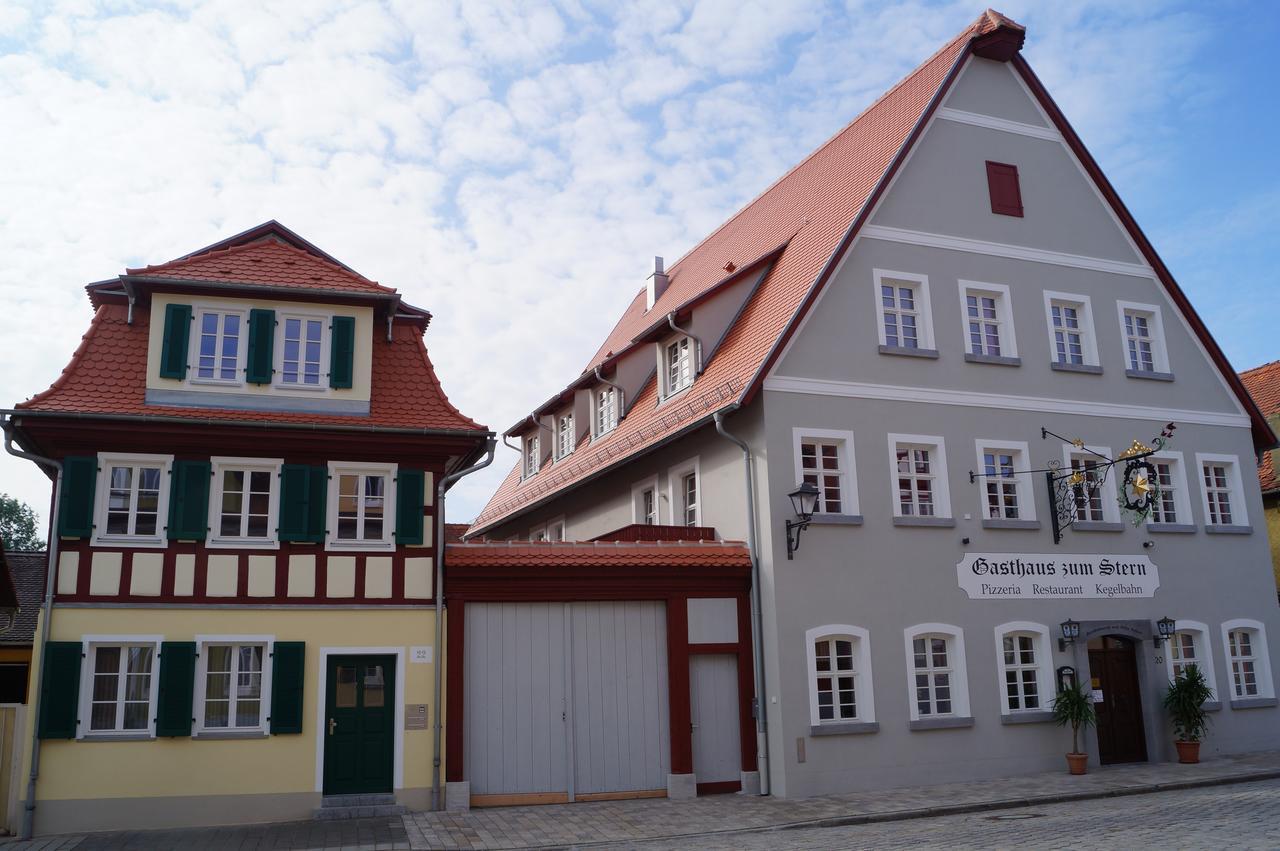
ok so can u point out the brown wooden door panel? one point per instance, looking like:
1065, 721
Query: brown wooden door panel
1121, 737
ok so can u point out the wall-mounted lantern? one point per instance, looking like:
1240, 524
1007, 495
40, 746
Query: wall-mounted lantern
804, 500
1070, 632
1165, 628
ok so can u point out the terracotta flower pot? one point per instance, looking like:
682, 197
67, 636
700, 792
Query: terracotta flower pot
1188, 752
1078, 762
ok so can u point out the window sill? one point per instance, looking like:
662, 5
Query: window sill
836, 520
1212, 706
1253, 702
674, 394
909, 352
360, 547
1149, 376
1171, 528
998, 523
1228, 530
941, 723
309, 388
116, 737
924, 521
1096, 526
1086, 368
245, 544
845, 728
141, 543
995, 360
1040, 716
222, 735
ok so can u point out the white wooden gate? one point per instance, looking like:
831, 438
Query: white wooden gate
713, 697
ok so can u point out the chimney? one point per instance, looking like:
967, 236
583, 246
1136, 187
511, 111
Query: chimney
657, 285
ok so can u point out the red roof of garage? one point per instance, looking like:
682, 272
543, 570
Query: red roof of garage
598, 554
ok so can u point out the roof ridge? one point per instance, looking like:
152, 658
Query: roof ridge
1259, 366
267, 240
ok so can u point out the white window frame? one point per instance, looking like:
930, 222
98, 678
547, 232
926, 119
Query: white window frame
675, 491
203, 642
637, 501
1109, 492
89, 645
222, 464
847, 459
1088, 332
538, 533
1239, 511
102, 496
669, 390
1042, 649
326, 339
1021, 479
1199, 633
863, 685
561, 450
924, 311
1155, 323
1261, 658
193, 353
388, 540
597, 431
959, 670
533, 441
941, 487
1181, 494
551, 530
1004, 317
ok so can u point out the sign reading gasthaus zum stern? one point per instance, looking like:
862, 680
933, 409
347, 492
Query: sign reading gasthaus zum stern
1021, 576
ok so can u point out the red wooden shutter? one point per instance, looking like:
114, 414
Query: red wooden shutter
1002, 182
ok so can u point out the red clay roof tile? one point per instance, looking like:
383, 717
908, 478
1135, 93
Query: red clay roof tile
1263, 384
603, 555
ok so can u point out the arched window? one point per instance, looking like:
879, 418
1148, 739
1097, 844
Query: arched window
937, 679
1190, 646
1248, 662
1023, 664
840, 682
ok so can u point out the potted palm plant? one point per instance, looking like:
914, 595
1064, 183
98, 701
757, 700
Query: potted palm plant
1074, 706
1185, 703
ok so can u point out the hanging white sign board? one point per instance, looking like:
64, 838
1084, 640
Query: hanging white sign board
1046, 576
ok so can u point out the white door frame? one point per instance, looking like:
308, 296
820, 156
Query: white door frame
322, 685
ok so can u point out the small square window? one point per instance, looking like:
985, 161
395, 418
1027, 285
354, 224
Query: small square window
988, 321
905, 325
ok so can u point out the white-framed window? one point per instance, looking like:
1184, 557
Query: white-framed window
302, 350
118, 687
604, 410
566, 435
1221, 490
918, 469
988, 320
825, 459
1072, 339
538, 533
677, 365
531, 455
362, 500
1092, 504
1006, 486
1248, 660
903, 314
233, 683
841, 688
937, 684
1190, 646
132, 499
555, 530
244, 502
217, 346
1142, 329
644, 502
1172, 503
1024, 667
684, 483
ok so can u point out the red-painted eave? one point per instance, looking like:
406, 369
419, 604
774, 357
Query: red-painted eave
525, 554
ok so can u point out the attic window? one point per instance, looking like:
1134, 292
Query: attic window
1002, 183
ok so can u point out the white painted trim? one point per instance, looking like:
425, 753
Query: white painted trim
1004, 315
847, 456
221, 464
942, 396
1159, 346
1109, 491
555, 424
193, 346
637, 491
326, 340
863, 685
397, 774
388, 542
999, 249
159, 540
960, 670
1022, 479
202, 670
88, 644
1181, 492
1044, 664
564, 527
1261, 655
1204, 652
594, 403
675, 495
1088, 331
924, 305
941, 473
1239, 509
526, 470
991, 122
665, 391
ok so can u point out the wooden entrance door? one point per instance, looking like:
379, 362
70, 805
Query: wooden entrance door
713, 697
1113, 667
359, 732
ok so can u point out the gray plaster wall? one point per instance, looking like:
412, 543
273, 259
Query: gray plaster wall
991, 88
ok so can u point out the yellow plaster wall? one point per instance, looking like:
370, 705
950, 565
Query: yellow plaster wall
1272, 505
72, 770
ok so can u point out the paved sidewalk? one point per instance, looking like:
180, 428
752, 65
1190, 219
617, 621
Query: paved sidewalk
706, 821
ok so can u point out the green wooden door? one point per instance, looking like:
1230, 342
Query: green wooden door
359, 733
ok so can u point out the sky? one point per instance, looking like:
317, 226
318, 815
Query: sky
515, 167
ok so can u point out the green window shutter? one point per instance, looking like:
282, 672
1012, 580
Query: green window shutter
288, 662
75, 499
177, 331
59, 689
177, 688
317, 506
260, 357
342, 352
189, 500
302, 502
410, 485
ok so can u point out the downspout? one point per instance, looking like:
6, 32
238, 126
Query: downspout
757, 617
697, 343
441, 488
622, 394
33, 716
133, 297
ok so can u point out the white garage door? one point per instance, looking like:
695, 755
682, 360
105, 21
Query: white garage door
566, 700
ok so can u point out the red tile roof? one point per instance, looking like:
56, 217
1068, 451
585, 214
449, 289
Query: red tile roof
1263, 384
603, 555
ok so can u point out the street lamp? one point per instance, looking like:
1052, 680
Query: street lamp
1165, 628
804, 500
1070, 632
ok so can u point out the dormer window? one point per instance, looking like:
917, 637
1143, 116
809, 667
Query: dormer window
532, 455
303, 339
566, 435
677, 360
604, 402
218, 346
